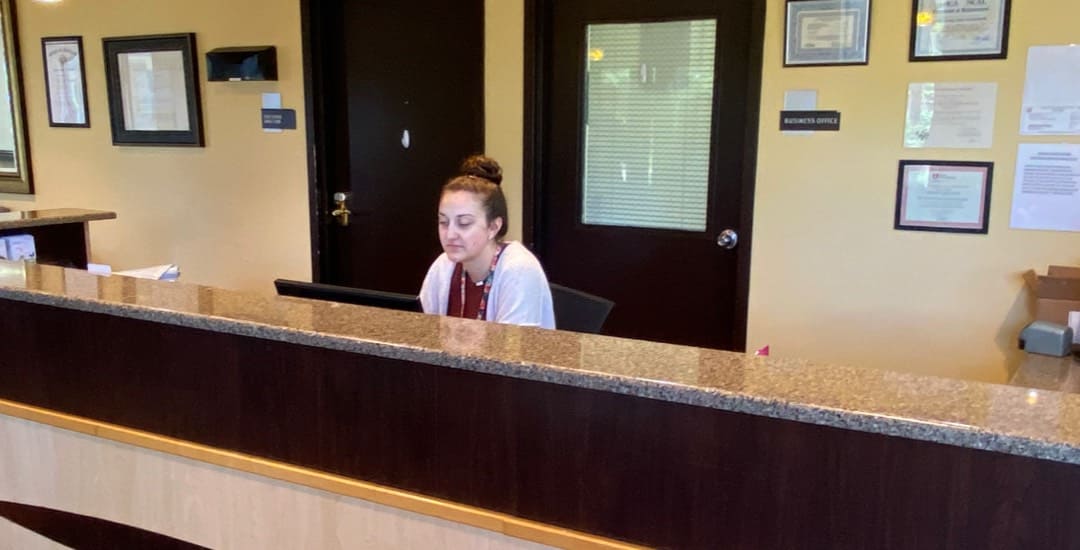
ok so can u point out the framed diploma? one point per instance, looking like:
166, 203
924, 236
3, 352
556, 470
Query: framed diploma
153, 90
826, 32
65, 81
949, 30
944, 196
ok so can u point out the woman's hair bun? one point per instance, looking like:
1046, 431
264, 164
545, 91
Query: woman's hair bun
484, 167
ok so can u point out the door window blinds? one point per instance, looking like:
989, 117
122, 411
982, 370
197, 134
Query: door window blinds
648, 123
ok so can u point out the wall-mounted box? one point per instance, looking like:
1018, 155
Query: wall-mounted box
242, 63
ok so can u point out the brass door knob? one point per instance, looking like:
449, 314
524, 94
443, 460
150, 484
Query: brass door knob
341, 212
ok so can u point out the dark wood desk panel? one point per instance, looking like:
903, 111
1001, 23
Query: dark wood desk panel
648, 471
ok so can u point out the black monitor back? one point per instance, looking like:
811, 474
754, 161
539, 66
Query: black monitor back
348, 295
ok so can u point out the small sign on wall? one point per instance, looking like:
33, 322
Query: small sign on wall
812, 121
279, 119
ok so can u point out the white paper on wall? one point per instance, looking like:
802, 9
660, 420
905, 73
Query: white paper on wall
1046, 191
1051, 91
950, 115
799, 100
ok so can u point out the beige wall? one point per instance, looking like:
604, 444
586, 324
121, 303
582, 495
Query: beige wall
233, 213
504, 65
831, 280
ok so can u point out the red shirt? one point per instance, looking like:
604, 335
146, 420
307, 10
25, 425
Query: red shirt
473, 293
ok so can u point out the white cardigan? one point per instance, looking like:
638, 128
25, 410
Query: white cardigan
520, 294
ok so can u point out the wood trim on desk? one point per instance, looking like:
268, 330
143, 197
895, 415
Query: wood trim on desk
51, 216
378, 494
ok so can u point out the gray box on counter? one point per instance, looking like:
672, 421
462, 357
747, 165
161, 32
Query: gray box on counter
1047, 339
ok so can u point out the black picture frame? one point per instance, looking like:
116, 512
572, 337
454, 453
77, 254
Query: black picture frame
1003, 31
903, 221
140, 114
53, 52
795, 55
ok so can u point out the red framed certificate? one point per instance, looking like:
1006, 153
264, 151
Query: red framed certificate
949, 196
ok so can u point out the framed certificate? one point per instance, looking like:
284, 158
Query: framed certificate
959, 30
949, 196
153, 90
826, 32
65, 81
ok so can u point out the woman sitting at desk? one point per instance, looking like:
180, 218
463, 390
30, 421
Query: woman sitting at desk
478, 275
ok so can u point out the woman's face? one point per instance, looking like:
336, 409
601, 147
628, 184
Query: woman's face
464, 229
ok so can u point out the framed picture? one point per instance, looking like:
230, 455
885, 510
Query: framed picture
153, 90
949, 196
959, 30
827, 32
65, 81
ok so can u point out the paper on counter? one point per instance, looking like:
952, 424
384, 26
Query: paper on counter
1046, 191
165, 272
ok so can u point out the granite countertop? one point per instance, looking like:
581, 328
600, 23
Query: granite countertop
52, 216
1010, 419
1048, 373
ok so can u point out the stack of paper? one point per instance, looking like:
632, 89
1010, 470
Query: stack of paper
164, 272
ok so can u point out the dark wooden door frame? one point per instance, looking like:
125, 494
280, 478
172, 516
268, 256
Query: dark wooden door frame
537, 26
318, 110
325, 101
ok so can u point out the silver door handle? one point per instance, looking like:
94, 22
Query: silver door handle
728, 238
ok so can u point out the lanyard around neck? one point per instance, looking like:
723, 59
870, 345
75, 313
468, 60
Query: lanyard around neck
487, 285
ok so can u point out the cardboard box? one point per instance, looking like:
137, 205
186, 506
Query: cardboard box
1057, 296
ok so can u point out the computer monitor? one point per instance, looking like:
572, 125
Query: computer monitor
348, 295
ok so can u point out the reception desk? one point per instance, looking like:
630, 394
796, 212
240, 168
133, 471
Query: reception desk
60, 234
514, 435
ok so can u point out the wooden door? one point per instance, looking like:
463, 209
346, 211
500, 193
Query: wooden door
397, 102
649, 127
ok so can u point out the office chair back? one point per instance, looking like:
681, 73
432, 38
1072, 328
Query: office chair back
579, 311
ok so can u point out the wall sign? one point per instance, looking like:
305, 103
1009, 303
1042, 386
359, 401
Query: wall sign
279, 119
814, 121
